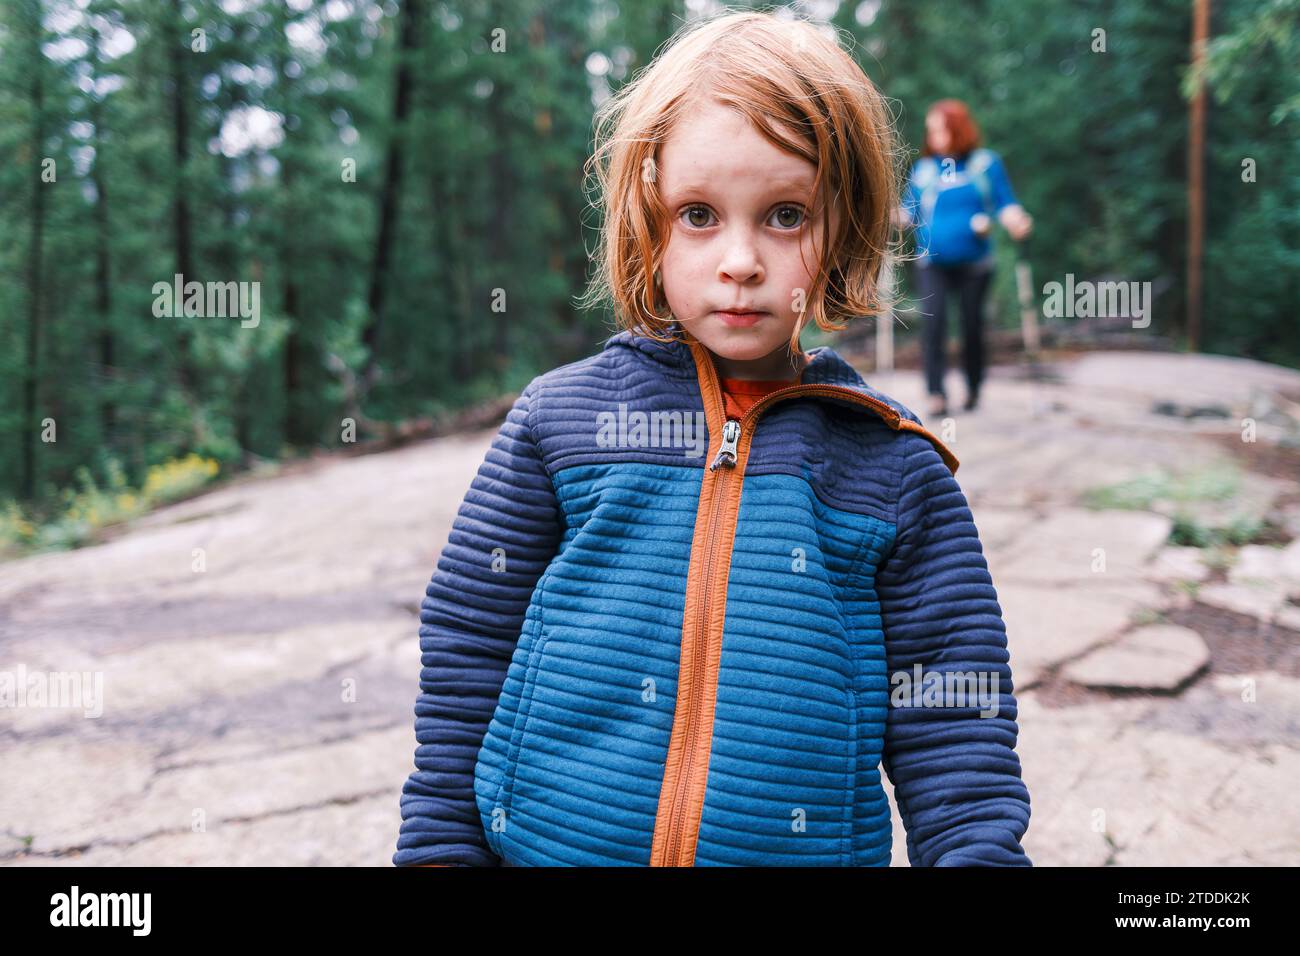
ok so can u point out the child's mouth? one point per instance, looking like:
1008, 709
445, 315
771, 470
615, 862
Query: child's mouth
739, 320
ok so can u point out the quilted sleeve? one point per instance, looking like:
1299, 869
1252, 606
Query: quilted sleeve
954, 769
506, 531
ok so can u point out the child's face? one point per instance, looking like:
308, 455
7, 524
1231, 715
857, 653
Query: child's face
739, 208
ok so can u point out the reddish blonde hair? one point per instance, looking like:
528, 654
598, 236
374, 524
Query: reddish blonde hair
803, 93
961, 128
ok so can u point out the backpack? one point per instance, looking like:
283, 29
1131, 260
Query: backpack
929, 179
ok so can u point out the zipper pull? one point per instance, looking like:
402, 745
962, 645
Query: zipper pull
730, 439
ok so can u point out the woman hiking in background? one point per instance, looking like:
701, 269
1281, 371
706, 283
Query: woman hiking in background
954, 186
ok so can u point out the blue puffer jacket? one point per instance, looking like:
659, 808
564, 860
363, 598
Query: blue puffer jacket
658, 638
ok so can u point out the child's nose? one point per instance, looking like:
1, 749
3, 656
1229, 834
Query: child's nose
740, 262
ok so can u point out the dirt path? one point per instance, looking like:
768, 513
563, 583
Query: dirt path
259, 710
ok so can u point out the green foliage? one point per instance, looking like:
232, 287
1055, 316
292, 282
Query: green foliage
1165, 491
82, 511
1192, 533
1144, 491
454, 256
1262, 33
1096, 143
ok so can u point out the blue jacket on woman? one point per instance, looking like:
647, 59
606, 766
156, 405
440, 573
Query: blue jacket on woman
658, 637
942, 194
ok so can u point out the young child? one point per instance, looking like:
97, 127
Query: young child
706, 584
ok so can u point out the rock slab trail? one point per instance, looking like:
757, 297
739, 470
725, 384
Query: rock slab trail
260, 656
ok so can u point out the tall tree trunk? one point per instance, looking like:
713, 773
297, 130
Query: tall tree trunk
448, 253
181, 223
564, 30
227, 261
460, 268
36, 240
296, 432
500, 224
103, 263
408, 43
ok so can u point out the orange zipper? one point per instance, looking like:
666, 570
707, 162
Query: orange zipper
731, 438
681, 797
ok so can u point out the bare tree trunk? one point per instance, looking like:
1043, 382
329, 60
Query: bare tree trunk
449, 248
563, 29
408, 42
296, 432
181, 222
499, 227
103, 263
36, 241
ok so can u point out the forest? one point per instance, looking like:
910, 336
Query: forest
236, 232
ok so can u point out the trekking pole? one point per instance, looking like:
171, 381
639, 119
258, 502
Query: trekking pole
1035, 371
885, 323
1028, 302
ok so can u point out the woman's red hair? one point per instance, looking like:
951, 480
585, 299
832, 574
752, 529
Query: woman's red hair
956, 116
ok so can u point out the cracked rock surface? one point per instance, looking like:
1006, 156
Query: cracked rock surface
260, 710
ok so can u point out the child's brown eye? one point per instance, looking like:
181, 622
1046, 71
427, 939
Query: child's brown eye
790, 210
700, 210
